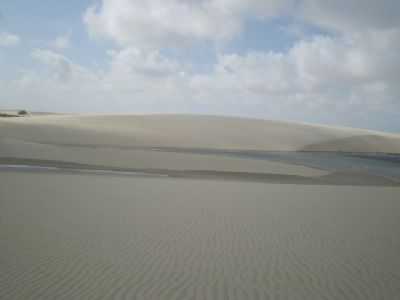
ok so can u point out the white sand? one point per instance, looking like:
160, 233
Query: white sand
99, 237
124, 141
195, 132
82, 236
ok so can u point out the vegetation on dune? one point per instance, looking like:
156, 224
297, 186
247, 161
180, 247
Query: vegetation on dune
20, 113
3, 115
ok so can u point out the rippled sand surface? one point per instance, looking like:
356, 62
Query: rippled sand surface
107, 237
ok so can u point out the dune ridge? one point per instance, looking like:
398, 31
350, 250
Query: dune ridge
188, 144
196, 132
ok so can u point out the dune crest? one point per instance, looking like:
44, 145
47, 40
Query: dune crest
189, 131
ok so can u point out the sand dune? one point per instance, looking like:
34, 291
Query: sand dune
179, 142
195, 132
112, 207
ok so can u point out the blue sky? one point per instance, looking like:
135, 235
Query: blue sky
301, 60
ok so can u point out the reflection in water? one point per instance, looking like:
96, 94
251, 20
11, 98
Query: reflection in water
378, 164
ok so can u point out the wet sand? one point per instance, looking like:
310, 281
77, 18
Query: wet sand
79, 236
347, 177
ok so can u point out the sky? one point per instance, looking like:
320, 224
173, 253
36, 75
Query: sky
316, 61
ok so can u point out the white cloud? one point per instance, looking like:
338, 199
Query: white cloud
358, 15
61, 69
351, 60
143, 63
173, 23
62, 42
170, 23
324, 75
134, 80
9, 39
326, 78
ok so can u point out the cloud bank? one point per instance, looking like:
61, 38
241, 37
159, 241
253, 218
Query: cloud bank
174, 23
344, 76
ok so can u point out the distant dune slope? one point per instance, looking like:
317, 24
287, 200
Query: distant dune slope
194, 132
184, 144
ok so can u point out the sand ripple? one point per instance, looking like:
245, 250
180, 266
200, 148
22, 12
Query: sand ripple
98, 237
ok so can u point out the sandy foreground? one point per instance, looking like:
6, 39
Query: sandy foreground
185, 207
103, 237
